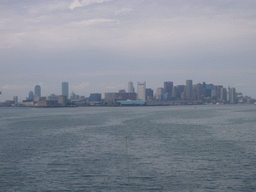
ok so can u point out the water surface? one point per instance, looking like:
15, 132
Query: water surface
172, 148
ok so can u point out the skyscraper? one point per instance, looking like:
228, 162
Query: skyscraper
174, 91
217, 90
31, 95
130, 87
37, 91
168, 85
232, 95
179, 90
141, 91
65, 89
15, 99
199, 91
223, 94
149, 93
159, 93
188, 89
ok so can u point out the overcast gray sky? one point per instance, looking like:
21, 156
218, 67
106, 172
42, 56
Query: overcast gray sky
100, 45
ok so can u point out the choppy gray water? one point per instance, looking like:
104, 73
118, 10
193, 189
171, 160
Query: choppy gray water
176, 148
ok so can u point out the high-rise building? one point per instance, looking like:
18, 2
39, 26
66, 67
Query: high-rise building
31, 95
168, 85
179, 90
228, 95
149, 93
217, 90
188, 89
213, 94
208, 89
159, 93
199, 91
65, 89
204, 89
15, 99
141, 91
130, 87
174, 92
232, 95
37, 91
223, 94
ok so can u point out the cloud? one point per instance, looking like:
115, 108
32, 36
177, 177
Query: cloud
82, 3
16, 87
60, 36
123, 11
241, 84
57, 5
83, 23
107, 27
81, 86
115, 86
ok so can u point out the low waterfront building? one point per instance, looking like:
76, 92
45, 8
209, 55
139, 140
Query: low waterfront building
95, 97
132, 103
27, 103
112, 98
62, 100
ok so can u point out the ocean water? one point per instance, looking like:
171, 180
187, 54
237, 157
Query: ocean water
171, 148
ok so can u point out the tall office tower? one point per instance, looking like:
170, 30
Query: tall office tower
204, 89
149, 93
37, 91
130, 87
179, 90
188, 89
208, 90
141, 91
217, 90
15, 99
31, 95
174, 92
199, 91
228, 92
193, 91
223, 94
213, 94
168, 85
65, 89
232, 95
159, 93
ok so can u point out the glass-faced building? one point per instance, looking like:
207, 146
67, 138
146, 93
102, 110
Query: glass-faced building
65, 89
37, 91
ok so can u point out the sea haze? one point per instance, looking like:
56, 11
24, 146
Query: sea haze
171, 148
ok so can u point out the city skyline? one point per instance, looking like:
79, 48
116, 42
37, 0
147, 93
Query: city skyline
98, 46
189, 88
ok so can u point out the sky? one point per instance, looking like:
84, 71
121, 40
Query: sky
99, 46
